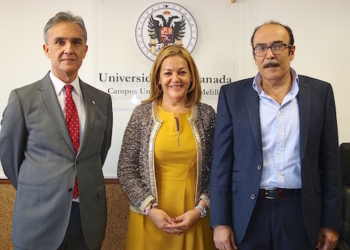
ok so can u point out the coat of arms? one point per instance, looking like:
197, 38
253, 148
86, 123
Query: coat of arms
163, 24
166, 29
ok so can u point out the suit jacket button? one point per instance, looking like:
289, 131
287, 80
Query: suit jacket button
252, 197
259, 167
70, 190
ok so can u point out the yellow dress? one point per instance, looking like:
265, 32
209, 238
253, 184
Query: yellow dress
175, 163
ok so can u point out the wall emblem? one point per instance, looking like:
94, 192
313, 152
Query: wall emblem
162, 24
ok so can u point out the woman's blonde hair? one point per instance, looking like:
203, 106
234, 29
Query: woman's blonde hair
194, 93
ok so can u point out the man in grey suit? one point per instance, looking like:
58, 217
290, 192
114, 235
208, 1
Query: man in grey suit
275, 178
45, 161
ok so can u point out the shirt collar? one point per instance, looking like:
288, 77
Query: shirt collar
295, 88
59, 85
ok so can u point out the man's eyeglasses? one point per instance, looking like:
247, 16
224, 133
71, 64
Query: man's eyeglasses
277, 49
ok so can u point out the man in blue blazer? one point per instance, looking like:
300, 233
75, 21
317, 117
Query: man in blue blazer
38, 154
275, 177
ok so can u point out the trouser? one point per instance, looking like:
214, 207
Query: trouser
276, 224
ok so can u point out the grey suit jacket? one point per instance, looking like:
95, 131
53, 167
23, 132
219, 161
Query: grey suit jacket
38, 157
235, 175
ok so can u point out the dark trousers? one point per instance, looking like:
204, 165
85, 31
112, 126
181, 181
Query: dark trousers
276, 224
74, 238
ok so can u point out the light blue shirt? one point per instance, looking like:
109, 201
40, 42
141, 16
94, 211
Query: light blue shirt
280, 134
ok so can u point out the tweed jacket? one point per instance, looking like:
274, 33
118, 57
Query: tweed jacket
136, 168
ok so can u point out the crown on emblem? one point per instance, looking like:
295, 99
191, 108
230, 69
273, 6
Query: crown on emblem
166, 12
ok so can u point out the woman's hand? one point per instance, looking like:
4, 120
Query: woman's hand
186, 220
163, 221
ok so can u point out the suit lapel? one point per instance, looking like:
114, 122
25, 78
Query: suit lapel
304, 113
90, 109
252, 100
50, 104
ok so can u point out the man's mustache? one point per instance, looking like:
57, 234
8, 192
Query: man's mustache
271, 64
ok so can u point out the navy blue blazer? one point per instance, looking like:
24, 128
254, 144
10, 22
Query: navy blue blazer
238, 161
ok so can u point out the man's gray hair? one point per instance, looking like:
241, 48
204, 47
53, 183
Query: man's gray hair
64, 17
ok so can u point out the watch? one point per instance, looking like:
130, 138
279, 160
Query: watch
202, 210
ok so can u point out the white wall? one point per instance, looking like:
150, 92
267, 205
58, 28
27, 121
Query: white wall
223, 48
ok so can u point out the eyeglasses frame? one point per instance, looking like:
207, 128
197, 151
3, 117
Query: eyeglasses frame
270, 47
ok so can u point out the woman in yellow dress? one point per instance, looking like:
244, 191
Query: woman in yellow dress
165, 159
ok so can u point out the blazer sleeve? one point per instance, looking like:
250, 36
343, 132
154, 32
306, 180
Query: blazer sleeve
222, 162
330, 168
108, 132
13, 138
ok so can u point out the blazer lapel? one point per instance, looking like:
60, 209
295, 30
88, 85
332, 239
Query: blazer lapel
252, 100
304, 113
51, 106
90, 109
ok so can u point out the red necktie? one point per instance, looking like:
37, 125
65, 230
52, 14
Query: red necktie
72, 121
